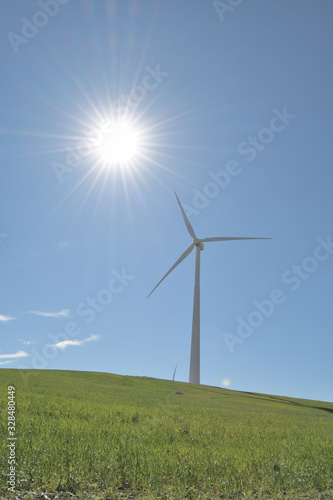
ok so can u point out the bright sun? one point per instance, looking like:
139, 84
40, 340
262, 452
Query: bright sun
119, 145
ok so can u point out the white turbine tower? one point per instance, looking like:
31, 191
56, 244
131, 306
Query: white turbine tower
198, 244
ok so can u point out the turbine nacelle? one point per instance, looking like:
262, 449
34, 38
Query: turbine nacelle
198, 243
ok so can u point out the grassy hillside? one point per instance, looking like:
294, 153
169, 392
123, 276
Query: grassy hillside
95, 435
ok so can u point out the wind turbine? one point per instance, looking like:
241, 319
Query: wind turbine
198, 243
174, 373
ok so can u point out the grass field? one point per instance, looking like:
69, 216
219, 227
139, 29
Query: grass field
92, 436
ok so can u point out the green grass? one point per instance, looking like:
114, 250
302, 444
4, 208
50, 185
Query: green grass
99, 436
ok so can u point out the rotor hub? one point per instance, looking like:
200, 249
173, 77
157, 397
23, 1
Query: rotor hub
199, 244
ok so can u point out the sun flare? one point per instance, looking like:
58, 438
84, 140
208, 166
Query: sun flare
119, 144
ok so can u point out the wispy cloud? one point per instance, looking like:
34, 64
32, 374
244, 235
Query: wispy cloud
5, 318
18, 354
65, 313
6, 362
66, 343
63, 244
26, 342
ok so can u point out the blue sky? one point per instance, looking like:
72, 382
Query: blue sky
233, 102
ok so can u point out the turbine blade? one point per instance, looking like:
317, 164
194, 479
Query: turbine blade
228, 239
187, 222
182, 257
